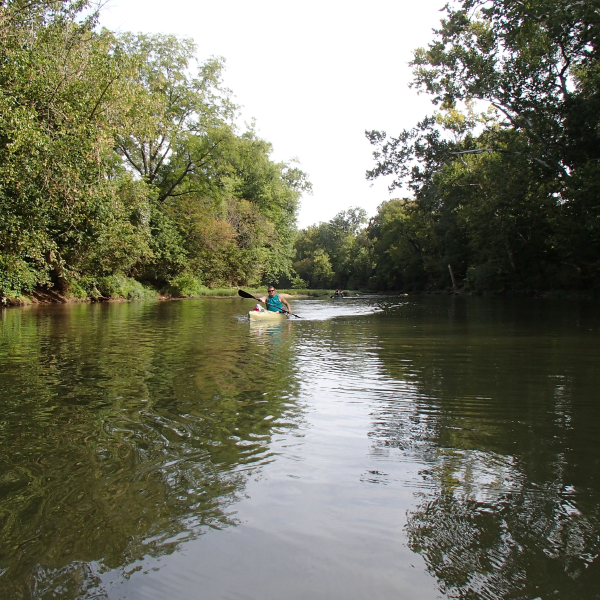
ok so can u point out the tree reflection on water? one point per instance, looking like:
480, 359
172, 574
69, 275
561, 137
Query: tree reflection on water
505, 427
504, 537
125, 433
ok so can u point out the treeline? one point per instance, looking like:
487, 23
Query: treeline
335, 254
119, 157
505, 178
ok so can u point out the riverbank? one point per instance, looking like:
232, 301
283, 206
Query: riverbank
125, 289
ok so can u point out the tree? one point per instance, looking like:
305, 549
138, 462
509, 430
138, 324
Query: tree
274, 189
334, 253
179, 121
532, 214
63, 92
208, 177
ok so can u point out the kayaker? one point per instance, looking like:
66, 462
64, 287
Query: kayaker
273, 301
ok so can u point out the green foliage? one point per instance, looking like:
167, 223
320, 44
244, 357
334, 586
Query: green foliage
63, 93
118, 286
16, 276
336, 253
120, 158
509, 197
78, 289
186, 285
316, 269
398, 247
120, 239
168, 256
178, 119
298, 283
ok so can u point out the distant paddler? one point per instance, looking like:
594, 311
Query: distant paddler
274, 302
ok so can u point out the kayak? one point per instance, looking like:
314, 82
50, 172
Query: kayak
267, 315
345, 297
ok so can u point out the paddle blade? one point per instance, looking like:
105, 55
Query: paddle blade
244, 294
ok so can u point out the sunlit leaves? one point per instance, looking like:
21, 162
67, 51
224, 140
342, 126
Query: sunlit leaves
336, 253
106, 141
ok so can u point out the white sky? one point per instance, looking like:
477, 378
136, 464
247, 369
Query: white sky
313, 74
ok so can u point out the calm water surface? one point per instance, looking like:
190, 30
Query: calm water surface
406, 448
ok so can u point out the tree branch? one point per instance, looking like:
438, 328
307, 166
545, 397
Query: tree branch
187, 170
101, 97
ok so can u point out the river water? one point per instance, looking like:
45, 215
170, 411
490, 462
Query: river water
405, 448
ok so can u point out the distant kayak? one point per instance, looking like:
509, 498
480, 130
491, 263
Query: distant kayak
267, 315
345, 297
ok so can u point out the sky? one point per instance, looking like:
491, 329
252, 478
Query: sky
314, 74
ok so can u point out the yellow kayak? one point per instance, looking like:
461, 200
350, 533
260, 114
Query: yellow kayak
267, 315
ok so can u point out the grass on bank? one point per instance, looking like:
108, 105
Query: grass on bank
260, 292
188, 286
120, 287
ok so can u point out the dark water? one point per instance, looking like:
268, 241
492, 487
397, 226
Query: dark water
440, 447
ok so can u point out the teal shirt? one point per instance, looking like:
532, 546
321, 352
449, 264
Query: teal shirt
274, 303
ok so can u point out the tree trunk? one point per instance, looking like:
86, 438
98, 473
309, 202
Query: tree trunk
454, 286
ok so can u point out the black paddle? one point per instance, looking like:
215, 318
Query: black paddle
244, 294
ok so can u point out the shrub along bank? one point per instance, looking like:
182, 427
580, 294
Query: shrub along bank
118, 287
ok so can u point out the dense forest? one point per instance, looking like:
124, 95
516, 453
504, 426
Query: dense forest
504, 178
121, 162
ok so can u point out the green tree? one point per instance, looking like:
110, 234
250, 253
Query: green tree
339, 244
274, 190
118, 158
63, 93
400, 247
178, 121
234, 207
512, 191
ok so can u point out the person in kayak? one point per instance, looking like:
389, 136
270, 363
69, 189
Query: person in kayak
273, 301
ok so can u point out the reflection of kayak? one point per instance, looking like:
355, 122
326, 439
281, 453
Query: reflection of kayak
267, 315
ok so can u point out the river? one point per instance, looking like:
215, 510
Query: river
406, 448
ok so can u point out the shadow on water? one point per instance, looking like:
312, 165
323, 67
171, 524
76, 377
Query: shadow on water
499, 401
126, 429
